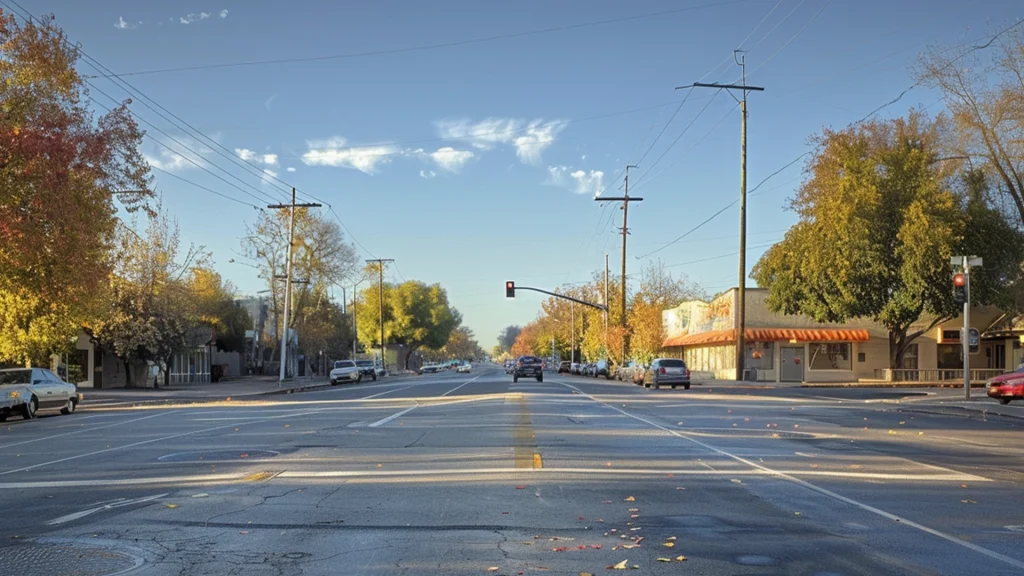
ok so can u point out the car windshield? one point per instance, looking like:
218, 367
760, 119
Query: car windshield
787, 236
15, 377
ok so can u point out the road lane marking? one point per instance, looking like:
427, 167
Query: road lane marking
82, 430
84, 513
538, 462
524, 438
384, 421
153, 440
461, 385
823, 491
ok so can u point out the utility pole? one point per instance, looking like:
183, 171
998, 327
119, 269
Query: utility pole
626, 199
605, 306
741, 304
288, 276
572, 331
380, 297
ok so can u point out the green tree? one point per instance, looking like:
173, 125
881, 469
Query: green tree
415, 314
61, 171
214, 301
877, 228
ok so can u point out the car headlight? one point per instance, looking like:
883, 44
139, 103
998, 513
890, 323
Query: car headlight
13, 394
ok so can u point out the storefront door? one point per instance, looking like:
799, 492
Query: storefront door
792, 363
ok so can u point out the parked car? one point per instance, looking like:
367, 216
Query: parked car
1007, 387
564, 367
528, 366
464, 368
603, 368
639, 372
667, 372
345, 371
509, 365
366, 368
590, 369
26, 391
576, 368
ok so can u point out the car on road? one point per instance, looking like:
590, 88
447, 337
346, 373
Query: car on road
527, 367
509, 365
603, 368
464, 368
667, 372
564, 367
576, 368
1007, 387
367, 368
26, 391
429, 368
345, 371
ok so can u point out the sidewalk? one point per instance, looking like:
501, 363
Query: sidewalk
241, 388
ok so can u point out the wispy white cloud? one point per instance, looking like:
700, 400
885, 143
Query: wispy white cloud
450, 159
290, 169
195, 17
530, 137
223, 13
579, 181
178, 157
250, 156
427, 174
335, 152
121, 24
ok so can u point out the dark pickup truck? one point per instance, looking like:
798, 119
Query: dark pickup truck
527, 367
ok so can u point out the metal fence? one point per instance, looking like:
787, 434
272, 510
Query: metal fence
938, 376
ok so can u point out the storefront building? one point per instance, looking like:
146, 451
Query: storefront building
784, 348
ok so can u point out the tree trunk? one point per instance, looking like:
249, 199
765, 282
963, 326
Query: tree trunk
128, 382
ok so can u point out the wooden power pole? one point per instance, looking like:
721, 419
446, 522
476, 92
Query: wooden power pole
626, 199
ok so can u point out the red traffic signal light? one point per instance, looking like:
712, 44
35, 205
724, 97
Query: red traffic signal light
959, 280
510, 289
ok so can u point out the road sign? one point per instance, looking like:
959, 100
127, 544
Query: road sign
973, 340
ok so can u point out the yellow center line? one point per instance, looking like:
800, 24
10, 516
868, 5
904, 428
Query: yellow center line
524, 440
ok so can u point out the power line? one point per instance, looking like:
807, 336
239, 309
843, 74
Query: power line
794, 37
710, 258
210, 190
674, 142
435, 46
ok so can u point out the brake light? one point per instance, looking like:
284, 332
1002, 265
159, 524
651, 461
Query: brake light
661, 370
687, 372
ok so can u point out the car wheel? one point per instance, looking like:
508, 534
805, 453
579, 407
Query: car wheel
540, 378
656, 385
515, 378
334, 383
28, 409
685, 386
359, 379
673, 386
1004, 400
69, 408
374, 376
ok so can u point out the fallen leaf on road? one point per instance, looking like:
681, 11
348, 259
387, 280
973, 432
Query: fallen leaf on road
520, 487
380, 465
585, 574
630, 499
903, 421
243, 455
620, 566
638, 540
171, 505
735, 481
628, 546
671, 539
664, 559
633, 509
537, 537
595, 546
634, 529
814, 465
200, 495
492, 569
969, 501
796, 425
796, 513
963, 485
680, 558
560, 549
746, 419
600, 520
244, 532
680, 488
236, 429
634, 515
287, 425
668, 544
580, 518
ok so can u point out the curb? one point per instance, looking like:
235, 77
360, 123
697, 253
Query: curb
959, 385
961, 411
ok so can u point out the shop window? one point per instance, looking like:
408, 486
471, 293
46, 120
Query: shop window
831, 357
760, 355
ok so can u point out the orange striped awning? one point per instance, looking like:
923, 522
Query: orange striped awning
728, 336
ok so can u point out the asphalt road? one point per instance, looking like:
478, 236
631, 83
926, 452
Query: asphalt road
472, 474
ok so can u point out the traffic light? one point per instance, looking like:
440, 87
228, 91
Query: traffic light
959, 288
510, 289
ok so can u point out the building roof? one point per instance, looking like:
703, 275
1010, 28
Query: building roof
771, 335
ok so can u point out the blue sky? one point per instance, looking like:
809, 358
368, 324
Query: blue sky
477, 163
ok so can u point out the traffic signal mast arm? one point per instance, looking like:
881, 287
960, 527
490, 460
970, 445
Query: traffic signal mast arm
510, 292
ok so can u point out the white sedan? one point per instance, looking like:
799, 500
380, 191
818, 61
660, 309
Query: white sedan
26, 391
345, 371
464, 368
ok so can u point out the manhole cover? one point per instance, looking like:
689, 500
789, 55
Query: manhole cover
215, 455
31, 559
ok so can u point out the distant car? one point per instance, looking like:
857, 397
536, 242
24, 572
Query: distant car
429, 369
464, 368
564, 367
576, 368
1007, 387
26, 391
667, 372
603, 368
366, 368
528, 366
509, 366
345, 371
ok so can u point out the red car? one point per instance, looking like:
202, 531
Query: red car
1006, 387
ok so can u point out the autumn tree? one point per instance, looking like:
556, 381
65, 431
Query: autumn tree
877, 227
62, 170
461, 345
983, 87
321, 258
215, 306
415, 314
